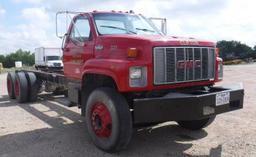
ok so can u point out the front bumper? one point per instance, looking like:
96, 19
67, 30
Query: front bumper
186, 106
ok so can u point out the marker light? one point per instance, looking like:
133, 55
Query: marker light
132, 53
217, 51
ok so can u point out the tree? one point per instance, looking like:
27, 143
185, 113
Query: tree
2, 58
25, 56
233, 49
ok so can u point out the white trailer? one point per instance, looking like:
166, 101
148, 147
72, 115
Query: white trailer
48, 58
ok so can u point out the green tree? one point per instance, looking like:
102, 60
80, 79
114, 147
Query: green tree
2, 58
25, 56
233, 49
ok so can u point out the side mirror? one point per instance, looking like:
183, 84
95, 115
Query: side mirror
163, 24
62, 21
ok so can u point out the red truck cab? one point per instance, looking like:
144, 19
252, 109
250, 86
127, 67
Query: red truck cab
101, 42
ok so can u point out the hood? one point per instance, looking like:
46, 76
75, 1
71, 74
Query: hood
159, 40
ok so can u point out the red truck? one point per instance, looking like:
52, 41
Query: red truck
123, 72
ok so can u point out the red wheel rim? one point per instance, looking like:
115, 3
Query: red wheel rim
17, 88
9, 85
101, 120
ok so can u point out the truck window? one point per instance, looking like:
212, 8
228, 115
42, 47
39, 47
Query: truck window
81, 30
108, 23
52, 58
106, 27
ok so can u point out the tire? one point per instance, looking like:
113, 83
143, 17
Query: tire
108, 119
196, 124
33, 86
10, 84
21, 87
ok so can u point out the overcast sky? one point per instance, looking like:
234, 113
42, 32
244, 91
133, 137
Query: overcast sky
28, 24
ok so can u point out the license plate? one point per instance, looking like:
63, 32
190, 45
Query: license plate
222, 98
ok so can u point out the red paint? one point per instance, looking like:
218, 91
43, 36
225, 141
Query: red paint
112, 60
101, 120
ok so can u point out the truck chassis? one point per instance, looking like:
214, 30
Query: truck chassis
191, 108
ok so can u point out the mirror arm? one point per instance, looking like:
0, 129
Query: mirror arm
63, 41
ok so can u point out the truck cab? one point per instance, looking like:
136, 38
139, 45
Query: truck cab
136, 55
48, 59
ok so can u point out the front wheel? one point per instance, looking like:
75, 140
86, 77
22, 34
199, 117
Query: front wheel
108, 119
196, 124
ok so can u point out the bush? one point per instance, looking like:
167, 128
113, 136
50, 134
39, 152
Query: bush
26, 57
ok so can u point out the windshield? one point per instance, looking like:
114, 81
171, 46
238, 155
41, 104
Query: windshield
108, 23
52, 58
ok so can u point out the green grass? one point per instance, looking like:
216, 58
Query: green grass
5, 70
237, 62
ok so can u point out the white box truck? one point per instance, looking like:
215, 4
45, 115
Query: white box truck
48, 58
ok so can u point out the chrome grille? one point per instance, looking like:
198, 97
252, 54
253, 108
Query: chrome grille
183, 64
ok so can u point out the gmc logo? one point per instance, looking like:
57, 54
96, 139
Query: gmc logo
188, 64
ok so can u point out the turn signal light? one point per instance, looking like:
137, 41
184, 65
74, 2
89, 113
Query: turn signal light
217, 50
132, 53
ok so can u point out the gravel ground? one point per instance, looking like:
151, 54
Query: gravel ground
49, 129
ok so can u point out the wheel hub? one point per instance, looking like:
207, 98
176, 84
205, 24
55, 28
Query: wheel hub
101, 120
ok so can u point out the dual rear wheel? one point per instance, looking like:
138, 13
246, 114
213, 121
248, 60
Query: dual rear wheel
22, 86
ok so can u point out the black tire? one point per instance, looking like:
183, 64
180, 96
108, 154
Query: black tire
196, 124
121, 120
33, 86
10, 84
21, 85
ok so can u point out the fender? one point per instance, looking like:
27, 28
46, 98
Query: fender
114, 68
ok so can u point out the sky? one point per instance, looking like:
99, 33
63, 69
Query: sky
28, 24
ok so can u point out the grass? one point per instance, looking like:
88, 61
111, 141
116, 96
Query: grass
5, 70
234, 62
237, 62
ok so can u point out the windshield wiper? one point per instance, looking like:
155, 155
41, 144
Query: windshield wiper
114, 27
145, 30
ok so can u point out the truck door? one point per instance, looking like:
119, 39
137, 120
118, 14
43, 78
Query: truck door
78, 47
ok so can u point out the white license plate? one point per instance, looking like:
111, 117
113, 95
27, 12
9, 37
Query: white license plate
222, 98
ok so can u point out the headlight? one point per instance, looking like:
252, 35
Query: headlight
220, 70
138, 76
135, 72
50, 64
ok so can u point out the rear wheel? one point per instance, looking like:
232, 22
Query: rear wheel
196, 124
21, 87
33, 86
10, 85
109, 120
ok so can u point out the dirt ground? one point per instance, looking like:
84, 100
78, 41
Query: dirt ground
48, 128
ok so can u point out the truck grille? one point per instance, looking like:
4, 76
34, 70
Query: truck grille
57, 64
183, 64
